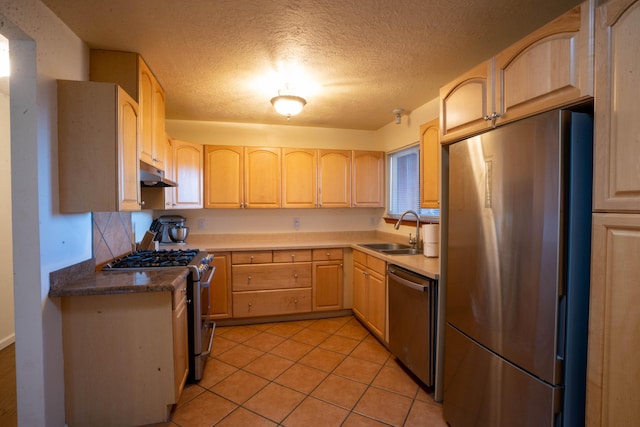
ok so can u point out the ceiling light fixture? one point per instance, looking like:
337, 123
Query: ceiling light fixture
398, 113
288, 105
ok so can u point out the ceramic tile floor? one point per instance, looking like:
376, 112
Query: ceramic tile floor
327, 372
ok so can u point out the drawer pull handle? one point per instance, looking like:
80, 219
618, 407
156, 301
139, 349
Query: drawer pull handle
251, 258
293, 257
295, 301
295, 275
249, 279
250, 304
328, 255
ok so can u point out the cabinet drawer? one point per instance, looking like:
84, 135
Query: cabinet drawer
360, 258
267, 303
251, 257
301, 255
271, 276
327, 254
376, 264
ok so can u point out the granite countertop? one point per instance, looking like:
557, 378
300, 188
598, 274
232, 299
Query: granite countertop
420, 264
82, 279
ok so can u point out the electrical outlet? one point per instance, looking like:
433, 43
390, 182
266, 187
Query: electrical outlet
296, 223
201, 223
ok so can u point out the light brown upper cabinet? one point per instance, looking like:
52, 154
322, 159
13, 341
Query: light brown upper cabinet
299, 178
98, 169
187, 172
368, 179
262, 177
465, 102
551, 67
242, 177
430, 165
161, 198
129, 70
223, 176
334, 178
617, 107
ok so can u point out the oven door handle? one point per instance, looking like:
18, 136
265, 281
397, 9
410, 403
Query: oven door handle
211, 325
204, 283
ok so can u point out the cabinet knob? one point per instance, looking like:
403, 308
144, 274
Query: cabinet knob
251, 258
293, 257
249, 279
295, 275
328, 255
295, 301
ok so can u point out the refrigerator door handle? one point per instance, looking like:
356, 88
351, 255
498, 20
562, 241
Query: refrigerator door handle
562, 326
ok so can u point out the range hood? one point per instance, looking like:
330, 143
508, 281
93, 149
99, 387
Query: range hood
151, 176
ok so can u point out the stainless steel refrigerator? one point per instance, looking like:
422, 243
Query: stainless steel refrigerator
518, 257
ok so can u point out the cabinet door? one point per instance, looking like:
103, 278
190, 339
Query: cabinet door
159, 134
360, 291
128, 166
327, 285
187, 167
368, 179
430, 165
334, 178
262, 176
548, 68
223, 174
220, 288
299, 178
180, 341
465, 102
376, 301
617, 111
613, 365
145, 103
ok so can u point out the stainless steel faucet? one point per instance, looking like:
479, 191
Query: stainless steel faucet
415, 241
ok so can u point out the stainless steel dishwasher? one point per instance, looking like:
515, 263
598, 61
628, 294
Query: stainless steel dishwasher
412, 321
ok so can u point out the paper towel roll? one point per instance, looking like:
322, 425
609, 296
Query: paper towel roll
431, 233
432, 250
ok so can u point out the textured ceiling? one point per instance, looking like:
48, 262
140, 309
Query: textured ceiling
354, 60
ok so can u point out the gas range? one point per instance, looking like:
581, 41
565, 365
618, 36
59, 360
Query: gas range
194, 259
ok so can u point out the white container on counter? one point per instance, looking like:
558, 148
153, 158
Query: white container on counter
431, 240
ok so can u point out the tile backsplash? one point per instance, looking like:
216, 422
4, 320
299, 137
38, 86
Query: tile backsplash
112, 235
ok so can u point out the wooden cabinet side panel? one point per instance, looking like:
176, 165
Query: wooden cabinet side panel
613, 366
146, 103
128, 165
180, 345
103, 331
224, 176
430, 165
617, 128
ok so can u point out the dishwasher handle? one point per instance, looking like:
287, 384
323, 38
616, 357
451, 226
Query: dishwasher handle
408, 283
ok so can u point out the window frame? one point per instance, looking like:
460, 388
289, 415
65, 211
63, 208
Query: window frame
426, 215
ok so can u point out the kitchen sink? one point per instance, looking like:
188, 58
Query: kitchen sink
404, 251
391, 248
385, 246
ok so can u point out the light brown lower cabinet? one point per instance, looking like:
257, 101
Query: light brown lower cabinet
125, 357
281, 282
220, 306
370, 292
613, 367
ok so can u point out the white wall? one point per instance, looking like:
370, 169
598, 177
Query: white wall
7, 326
42, 49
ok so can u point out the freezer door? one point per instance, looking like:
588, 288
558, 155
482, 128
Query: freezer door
504, 241
493, 392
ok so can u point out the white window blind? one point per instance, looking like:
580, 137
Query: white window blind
404, 183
